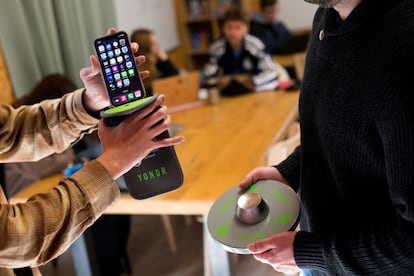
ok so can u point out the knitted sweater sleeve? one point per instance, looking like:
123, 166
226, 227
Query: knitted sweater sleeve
290, 168
30, 133
39, 230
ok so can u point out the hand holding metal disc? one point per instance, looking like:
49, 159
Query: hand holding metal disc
239, 217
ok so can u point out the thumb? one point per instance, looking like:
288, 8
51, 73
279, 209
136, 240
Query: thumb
87, 73
260, 246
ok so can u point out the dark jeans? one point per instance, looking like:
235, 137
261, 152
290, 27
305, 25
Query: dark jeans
110, 236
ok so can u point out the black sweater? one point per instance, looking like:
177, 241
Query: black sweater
355, 167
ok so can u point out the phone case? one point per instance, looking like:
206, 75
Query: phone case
160, 171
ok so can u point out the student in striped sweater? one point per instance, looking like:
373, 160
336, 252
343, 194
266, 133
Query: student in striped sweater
238, 52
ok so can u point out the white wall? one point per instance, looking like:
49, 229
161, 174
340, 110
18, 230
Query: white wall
159, 15
156, 15
297, 14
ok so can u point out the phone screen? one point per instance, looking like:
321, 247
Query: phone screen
119, 71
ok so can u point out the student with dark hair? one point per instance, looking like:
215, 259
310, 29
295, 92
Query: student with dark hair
52, 86
266, 25
238, 52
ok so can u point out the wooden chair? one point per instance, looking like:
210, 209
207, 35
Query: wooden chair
299, 64
295, 60
280, 150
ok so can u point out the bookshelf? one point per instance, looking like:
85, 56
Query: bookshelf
199, 24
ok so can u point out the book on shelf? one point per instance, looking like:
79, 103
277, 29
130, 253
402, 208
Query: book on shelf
200, 40
224, 5
197, 7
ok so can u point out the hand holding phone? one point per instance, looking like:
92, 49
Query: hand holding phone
119, 71
160, 171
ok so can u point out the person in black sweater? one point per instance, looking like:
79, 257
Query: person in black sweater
354, 170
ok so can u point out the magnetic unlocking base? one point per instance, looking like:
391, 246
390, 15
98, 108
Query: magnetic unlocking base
239, 217
115, 115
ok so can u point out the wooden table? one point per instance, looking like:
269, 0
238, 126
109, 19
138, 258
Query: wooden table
223, 143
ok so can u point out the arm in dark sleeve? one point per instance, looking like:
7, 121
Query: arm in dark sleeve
166, 68
290, 168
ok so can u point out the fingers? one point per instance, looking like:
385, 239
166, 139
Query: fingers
261, 246
150, 120
134, 47
88, 73
260, 173
144, 74
140, 59
111, 31
169, 141
247, 181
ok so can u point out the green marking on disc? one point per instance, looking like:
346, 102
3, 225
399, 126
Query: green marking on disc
284, 219
279, 195
226, 204
252, 188
224, 229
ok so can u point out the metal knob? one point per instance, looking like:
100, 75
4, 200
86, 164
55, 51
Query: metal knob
251, 209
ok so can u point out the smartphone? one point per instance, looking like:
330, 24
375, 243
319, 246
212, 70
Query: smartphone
118, 69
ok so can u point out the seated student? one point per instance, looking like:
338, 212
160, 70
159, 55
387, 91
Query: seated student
238, 52
266, 26
157, 60
110, 232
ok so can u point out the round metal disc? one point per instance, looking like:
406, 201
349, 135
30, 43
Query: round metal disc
234, 235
